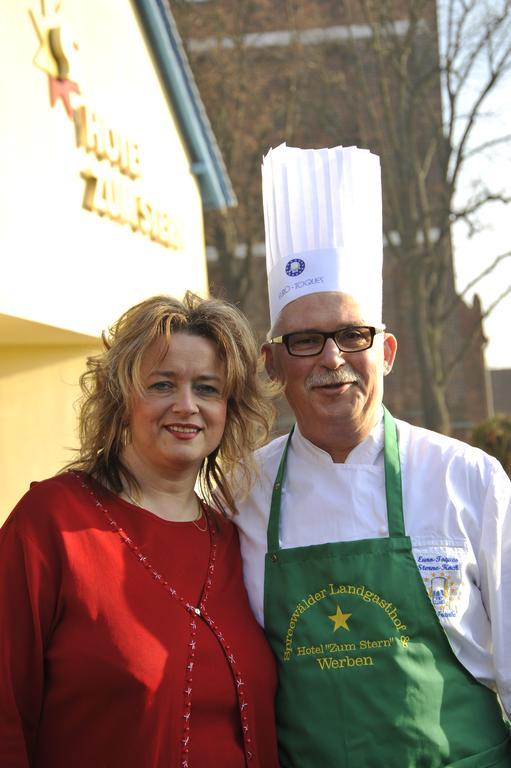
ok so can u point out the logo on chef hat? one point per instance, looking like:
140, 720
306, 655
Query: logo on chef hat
295, 267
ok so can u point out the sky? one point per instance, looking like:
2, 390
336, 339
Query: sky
470, 257
473, 255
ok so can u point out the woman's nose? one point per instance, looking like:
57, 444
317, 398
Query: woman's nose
184, 401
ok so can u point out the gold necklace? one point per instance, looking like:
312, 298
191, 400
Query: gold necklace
195, 522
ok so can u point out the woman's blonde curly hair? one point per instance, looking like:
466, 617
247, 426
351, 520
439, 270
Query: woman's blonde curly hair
114, 375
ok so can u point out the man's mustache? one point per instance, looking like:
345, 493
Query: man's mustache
344, 375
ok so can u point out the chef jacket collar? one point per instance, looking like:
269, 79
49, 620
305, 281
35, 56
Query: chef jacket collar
366, 452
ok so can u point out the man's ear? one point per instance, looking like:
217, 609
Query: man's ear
389, 352
269, 363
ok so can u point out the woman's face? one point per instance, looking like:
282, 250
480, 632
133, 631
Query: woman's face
180, 417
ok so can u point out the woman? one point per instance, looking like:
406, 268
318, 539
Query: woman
126, 637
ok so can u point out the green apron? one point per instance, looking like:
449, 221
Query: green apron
367, 675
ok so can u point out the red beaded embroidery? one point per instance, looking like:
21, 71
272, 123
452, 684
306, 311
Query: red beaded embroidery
194, 612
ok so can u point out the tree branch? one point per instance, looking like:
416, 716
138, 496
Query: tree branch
459, 296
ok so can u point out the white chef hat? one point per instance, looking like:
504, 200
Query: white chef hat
323, 225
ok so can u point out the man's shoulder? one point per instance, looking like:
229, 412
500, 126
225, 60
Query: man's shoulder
271, 452
258, 496
426, 444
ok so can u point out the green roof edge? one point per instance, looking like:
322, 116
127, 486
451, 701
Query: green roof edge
177, 77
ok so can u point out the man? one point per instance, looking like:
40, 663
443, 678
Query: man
376, 554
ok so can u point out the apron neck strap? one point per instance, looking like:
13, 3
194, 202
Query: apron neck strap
393, 490
393, 485
276, 499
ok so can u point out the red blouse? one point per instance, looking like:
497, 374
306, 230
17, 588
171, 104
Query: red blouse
104, 662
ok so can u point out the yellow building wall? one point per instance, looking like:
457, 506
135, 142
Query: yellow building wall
38, 390
61, 264
66, 273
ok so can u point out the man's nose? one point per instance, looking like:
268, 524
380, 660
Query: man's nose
331, 356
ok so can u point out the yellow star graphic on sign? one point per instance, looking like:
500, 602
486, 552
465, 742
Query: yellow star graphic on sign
57, 53
340, 619
44, 23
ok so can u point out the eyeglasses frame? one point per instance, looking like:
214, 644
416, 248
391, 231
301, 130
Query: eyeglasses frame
284, 339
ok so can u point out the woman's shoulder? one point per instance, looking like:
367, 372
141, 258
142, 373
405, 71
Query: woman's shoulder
221, 520
48, 500
53, 488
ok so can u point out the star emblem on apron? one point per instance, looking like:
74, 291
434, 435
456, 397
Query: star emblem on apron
340, 619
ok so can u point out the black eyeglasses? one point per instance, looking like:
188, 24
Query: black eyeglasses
352, 338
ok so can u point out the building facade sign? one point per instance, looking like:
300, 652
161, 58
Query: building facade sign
112, 166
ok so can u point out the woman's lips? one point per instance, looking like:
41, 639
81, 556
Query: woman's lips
183, 431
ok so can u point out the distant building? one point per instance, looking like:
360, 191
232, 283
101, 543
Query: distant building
501, 390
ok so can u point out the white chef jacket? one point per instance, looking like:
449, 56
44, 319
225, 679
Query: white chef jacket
457, 504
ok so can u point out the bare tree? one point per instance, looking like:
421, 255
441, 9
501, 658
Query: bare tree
256, 94
373, 73
233, 78
425, 150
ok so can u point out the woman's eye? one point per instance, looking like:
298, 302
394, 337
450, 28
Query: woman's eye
161, 386
206, 389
